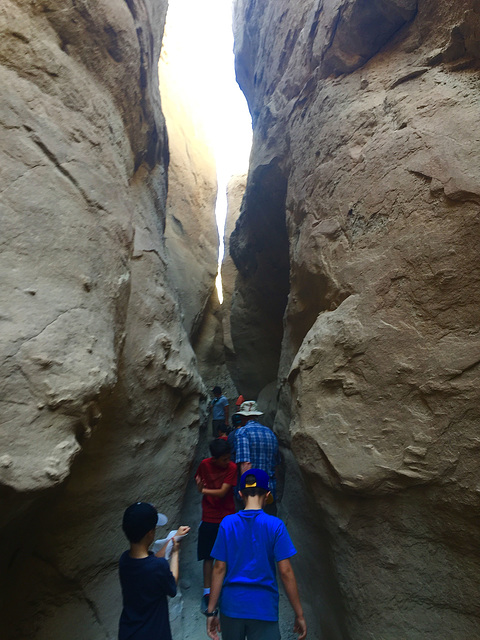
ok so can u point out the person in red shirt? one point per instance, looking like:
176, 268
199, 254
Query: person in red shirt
239, 402
215, 478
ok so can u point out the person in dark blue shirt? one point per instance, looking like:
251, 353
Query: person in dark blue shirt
250, 545
146, 579
231, 439
219, 409
256, 447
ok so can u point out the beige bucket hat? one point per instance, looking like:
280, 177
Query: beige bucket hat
249, 408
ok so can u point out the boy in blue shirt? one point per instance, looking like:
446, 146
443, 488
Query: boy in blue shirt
249, 546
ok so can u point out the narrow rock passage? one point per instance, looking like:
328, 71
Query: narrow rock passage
186, 620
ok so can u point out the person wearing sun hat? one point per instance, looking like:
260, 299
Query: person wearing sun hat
146, 578
250, 546
256, 446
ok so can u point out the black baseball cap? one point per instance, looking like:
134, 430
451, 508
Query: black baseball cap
140, 518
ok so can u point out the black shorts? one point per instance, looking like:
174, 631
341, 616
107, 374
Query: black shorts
239, 629
207, 534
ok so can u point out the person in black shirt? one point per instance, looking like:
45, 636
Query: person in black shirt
146, 578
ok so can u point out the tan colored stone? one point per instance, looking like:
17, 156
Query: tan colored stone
210, 351
374, 134
99, 388
68, 213
235, 191
190, 229
259, 248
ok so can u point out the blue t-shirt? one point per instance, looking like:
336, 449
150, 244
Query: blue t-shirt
146, 583
218, 408
231, 439
251, 542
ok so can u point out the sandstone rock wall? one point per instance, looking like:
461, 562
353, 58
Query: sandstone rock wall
210, 351
212, 342
259, 248
235, 192
366, 115
191, 235
190, 231
99, 387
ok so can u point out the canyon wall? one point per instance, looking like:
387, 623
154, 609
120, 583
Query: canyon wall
358, 284
190, 229
99, 387
191, 236
235, 192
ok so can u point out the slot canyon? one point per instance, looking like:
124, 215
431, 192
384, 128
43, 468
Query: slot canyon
351, 285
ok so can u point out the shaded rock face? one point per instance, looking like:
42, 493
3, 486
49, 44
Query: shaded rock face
100, 389
235, 192
210, 351
259, 248
68, 189
368, 110
191, 236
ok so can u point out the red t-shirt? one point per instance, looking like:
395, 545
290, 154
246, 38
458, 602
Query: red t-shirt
214, 509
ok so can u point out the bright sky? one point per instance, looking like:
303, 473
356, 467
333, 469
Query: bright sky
200, 44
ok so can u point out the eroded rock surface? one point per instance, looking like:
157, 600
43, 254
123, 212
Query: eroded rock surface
259, 248
191, 235
99, 385
235, 193
368, 111
210, 351
190, 231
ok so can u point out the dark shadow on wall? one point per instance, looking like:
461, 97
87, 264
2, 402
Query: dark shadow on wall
259, 247
313, 564
59, 563
315, 293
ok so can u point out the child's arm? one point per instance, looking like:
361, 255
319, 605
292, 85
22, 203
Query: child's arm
200, 484
218, 493
161, 552
290, 583
174, 559
213, 623
181, 532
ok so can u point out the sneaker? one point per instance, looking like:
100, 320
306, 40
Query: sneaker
204, 603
